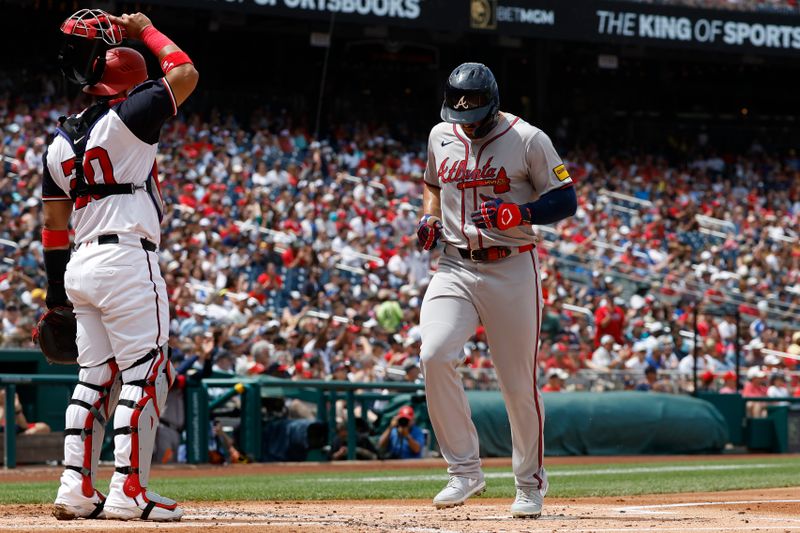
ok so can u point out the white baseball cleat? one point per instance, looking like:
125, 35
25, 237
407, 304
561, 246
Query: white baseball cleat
146, 506
527, 504
457, 491
91, 508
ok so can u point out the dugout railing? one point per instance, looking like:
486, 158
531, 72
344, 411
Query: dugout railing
199, 406
324, 394
9, 382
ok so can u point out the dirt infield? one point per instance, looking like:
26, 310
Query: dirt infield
745, 510
754, 510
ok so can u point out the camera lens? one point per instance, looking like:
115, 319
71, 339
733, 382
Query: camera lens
402, 422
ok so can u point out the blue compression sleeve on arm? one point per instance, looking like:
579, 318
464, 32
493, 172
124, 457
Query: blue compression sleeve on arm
552, 207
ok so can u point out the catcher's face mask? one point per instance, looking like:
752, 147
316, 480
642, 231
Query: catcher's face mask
88, 33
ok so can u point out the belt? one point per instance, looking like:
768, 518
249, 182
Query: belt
494, 253
113, 238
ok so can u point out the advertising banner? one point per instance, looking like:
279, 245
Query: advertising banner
573, 20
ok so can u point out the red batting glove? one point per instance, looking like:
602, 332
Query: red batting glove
494, 213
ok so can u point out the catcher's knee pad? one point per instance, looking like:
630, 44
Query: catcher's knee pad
93, 401
144, 394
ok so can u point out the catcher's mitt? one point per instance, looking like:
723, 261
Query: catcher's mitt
56, 333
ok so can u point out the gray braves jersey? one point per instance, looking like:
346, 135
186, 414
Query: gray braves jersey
515, 162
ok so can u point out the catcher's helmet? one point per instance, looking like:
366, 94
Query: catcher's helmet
124, 68
88, 34
471, 95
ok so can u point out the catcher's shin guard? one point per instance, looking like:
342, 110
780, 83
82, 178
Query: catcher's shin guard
143, 397
93, 401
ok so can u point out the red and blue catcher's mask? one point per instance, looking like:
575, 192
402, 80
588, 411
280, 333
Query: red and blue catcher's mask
88, 34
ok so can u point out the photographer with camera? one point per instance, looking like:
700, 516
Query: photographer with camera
402, 439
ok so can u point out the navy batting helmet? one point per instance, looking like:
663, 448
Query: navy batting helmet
471, 95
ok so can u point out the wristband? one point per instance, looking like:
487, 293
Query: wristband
55, 238
174, 59
155, 40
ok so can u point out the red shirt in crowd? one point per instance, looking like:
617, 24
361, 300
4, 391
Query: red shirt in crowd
703, 327
560, 361
613, 327
751, 390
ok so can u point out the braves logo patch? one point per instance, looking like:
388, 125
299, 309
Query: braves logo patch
561, 172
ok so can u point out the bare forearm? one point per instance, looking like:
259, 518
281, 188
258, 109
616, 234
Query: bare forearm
432, 201
178, 68
56, 216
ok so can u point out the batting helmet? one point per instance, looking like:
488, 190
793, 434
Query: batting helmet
471, 95
124, 68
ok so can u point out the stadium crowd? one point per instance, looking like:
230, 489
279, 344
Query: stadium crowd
295, 257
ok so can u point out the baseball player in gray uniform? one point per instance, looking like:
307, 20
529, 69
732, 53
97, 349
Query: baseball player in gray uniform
490, 177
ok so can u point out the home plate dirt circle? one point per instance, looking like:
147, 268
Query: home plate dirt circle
750, 510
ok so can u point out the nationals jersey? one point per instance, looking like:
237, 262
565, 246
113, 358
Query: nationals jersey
515, 162
121, 148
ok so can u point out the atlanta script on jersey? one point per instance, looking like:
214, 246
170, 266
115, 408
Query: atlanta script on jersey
516, 162
121, 148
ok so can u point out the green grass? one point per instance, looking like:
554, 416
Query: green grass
565, 481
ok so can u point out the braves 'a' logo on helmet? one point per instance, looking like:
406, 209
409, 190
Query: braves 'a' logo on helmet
461, 104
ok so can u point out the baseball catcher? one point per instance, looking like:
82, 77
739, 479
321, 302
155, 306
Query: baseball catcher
107, 301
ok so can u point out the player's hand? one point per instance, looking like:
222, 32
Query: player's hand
133, 24
429, 231
495, 213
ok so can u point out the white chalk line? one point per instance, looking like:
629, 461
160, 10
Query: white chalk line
553, 473
775, 519
650, 509
685, 528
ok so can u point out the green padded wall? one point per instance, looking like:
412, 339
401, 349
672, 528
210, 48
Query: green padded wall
608, 423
